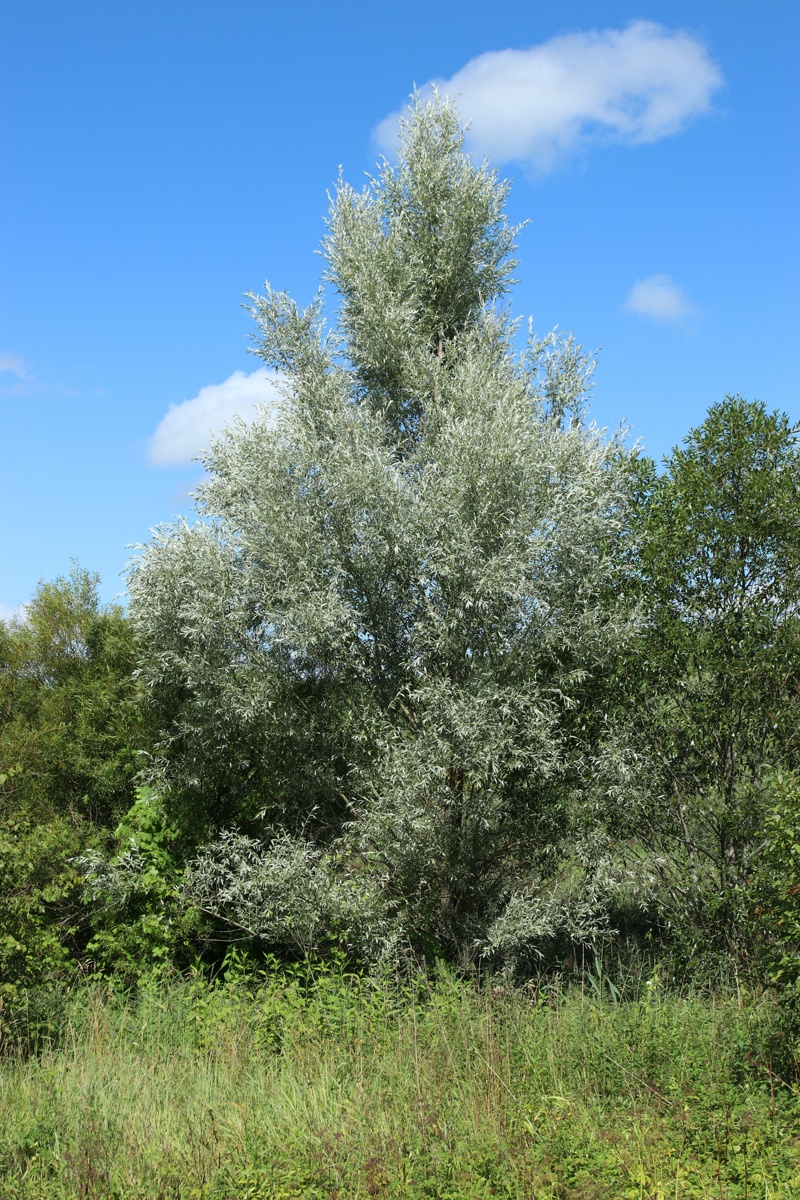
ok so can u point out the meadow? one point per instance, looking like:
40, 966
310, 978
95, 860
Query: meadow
297, 1084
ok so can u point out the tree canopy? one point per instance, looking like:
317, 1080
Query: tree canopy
715, 677
372, 647
72, 725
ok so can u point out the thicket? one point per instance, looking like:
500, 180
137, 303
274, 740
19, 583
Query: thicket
440, 672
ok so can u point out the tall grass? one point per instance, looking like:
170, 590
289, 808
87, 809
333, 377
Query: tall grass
337, 1088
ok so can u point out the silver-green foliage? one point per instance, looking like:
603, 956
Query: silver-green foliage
375, 646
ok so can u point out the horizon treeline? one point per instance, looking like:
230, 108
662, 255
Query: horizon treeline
440, 670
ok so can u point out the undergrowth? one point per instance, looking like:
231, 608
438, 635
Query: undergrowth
303, 1084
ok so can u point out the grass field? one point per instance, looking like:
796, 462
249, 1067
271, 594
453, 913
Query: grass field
338, 1088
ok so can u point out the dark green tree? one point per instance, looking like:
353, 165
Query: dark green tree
715, 680
71, 723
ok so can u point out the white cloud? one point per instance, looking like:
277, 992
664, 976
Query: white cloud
188, 427
537, 106
14, 364
660, 298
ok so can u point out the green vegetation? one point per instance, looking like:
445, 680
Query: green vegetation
373, 654
335, 1087
441, 676
71, 725
715, 677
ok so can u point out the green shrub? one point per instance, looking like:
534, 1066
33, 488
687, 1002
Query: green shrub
777, 890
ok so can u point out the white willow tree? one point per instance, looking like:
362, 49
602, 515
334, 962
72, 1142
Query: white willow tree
372, 652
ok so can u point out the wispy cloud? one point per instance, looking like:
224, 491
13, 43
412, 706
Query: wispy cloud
660, 298
12, 364
541, 105
19, 377
188, 427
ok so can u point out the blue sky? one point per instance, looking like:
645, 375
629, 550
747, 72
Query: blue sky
160, 160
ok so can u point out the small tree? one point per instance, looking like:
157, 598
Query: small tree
71, 723
375, 639
715, 682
